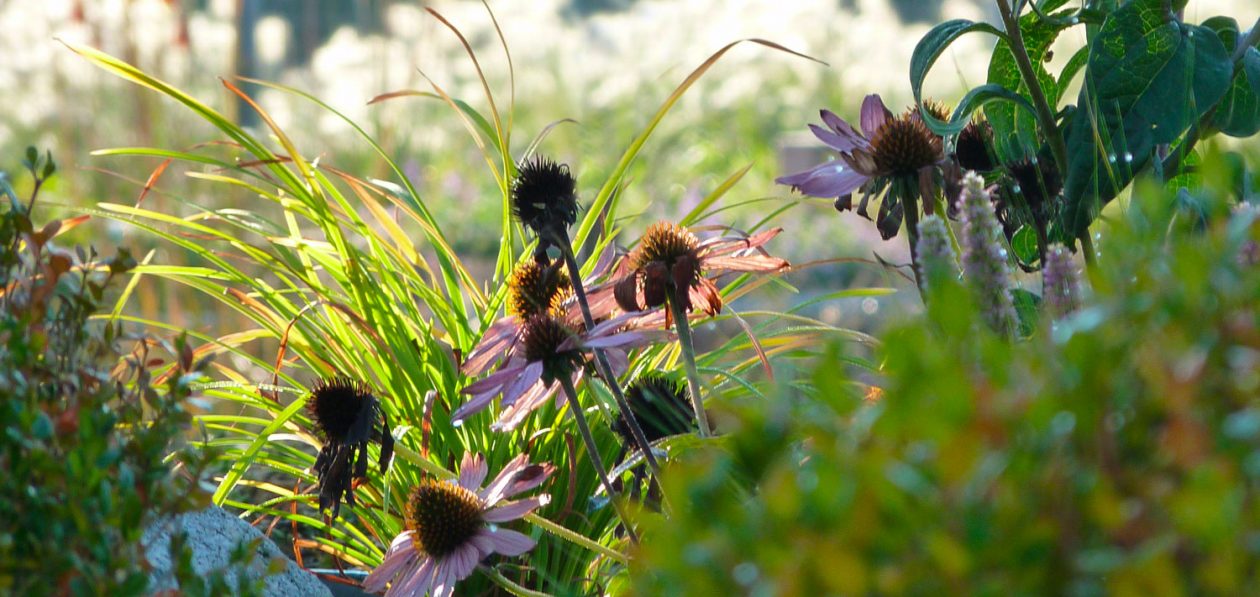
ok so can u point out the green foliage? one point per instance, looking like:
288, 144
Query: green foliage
1149, 78
1113, 452
87, 427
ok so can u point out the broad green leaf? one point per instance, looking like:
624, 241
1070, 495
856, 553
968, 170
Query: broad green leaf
1238, 115
934, 44
1148, 79
980, 96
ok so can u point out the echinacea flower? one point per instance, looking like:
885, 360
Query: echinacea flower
548, 349
897, 154
544, 199
670, 259
973, 150
452, 525
347, 416
659, 404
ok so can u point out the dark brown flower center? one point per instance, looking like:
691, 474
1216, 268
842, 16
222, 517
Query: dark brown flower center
904, 145
659, 405
535, 289
541, 338
974, 147
1038, 181
336, 404
444, 516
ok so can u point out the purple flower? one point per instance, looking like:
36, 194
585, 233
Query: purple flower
936, 255
452, 525
548, 349
1061, 284
898, 154
984, 260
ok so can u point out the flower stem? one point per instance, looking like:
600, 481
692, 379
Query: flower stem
1045, 113
570, 393
601, 359
688, 349
911, 208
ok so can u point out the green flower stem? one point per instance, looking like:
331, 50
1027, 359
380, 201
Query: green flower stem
508, 585
601, 359
911, 208
688, 349
566, 384
941, 209
1045, 112
575, 538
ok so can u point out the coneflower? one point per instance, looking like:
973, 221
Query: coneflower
984, 260
537, 288
659, 403
1061, 283
451, 526
973, 150
544, 199
937, 260
347, 417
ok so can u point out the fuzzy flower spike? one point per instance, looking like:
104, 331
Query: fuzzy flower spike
452, 525
898, 154
347, 416
670, 258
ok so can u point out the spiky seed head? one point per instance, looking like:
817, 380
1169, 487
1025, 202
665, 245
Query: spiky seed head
1038, 181
536, 288
974, 147
903, 146
444, 516
336, 405
660, 406
544, 195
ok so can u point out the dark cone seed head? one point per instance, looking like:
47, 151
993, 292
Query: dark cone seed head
537, 289
541, 338
1038, 181
336, 404
444, 516
668, 256
974, 147
903, 146
544, 195
660, 406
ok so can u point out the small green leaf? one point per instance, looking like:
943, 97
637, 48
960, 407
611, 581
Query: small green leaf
1024, 243
1148, 79
1028, 309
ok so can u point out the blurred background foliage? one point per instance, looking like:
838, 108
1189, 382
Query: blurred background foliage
1115, 452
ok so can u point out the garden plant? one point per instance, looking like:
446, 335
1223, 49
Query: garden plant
1069, 406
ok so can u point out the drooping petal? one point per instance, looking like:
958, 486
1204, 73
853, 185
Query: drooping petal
828, 180
514, 414
626, 292
443, 582
528, 377
472, 471
394, 562
747, 263
494, 380
417, 582
495, 342
513, 510
843, 129
832, 140
705, 295
463, 561
494, 491
874, 114
509, 542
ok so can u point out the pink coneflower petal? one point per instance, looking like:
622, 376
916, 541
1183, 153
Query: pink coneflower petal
394, 562
518, 407
494, 491
747, 263
443, 583
509, 542
415, 582
874, 114
832, 140
827, 180
514, 510
523, 382
495, 342
464, 561
841, 127
472, 471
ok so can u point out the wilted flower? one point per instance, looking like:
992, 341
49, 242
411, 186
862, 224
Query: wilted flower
898, 154
347, 416
1061, 283
984, 259
452, 525
659, 404
973, 150
670, 258
549, 348
936, 255
1039, 183
544, 199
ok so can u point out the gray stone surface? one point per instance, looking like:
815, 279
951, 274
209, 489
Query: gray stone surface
212, 535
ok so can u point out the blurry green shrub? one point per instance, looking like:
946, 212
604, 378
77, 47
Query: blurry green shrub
87, 427
1116, 451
